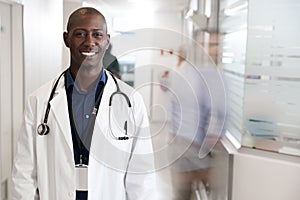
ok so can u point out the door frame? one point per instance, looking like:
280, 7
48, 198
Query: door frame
16, 87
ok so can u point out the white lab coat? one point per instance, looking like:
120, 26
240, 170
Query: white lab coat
46, 164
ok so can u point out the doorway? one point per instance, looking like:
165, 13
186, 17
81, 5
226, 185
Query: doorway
11, 87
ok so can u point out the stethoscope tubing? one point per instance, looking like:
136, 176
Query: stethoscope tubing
44, 129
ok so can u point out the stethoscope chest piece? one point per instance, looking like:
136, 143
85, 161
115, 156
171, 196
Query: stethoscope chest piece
43, 129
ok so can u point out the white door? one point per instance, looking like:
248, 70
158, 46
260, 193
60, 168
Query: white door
5, 98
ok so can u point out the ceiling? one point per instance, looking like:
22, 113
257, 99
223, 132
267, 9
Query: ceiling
155, 5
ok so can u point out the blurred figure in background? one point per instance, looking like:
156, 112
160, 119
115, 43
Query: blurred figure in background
111, 63
190, 115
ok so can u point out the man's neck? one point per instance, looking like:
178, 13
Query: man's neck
86, 79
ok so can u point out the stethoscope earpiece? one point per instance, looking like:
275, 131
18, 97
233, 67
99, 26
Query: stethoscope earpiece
43, 129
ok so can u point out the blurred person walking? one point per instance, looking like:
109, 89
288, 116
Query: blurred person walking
190, 114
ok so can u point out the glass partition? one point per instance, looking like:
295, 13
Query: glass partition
232, 54
260, 54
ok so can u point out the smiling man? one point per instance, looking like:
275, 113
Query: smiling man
87, 40
70, 145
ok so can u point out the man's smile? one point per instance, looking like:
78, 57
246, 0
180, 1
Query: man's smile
90, 53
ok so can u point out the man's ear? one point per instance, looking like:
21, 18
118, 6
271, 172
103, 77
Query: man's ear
66, 39
108, 41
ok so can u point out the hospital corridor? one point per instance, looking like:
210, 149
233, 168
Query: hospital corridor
149, 99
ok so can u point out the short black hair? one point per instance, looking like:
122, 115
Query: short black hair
84, 11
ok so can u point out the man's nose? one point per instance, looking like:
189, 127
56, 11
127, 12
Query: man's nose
90, 40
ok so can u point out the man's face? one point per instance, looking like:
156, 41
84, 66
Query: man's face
88, 40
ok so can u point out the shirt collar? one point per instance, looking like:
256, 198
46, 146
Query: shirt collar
70, 81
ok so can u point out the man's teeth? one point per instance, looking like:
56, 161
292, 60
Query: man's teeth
88, 53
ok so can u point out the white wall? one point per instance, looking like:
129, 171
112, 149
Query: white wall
11, 87
17, 69
68, 8
264, 175
5, 97
43, 39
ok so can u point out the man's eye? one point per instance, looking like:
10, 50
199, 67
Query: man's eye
98, 35
80, 34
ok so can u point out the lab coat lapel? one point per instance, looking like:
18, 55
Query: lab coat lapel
59, 106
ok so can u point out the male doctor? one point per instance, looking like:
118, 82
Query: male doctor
75, 143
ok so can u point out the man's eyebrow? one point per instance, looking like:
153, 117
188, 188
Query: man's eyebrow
84, 29
98, 29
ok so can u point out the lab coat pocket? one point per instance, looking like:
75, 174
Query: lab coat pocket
109, 151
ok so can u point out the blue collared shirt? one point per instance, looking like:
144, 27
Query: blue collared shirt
82, 105
82, 102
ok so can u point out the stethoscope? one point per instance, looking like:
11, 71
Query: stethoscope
43, 128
